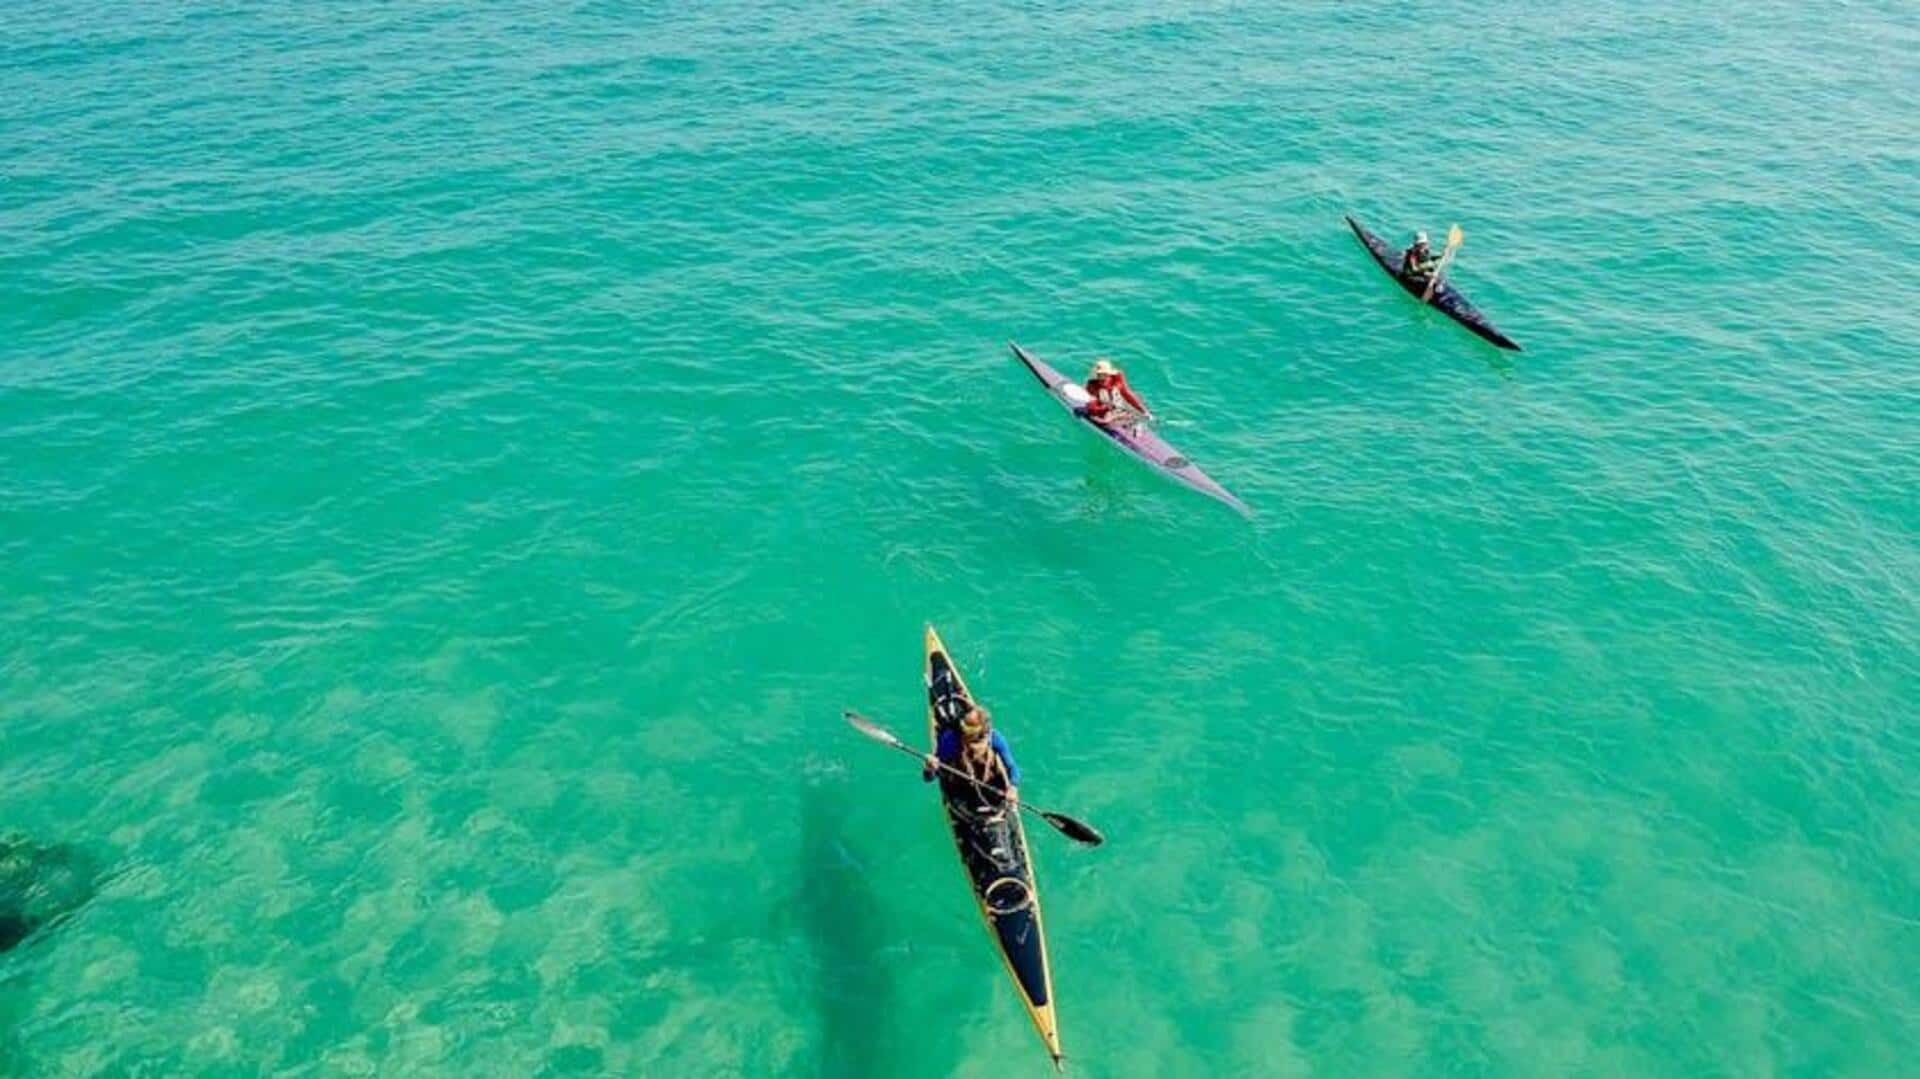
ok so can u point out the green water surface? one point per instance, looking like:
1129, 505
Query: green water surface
457, 460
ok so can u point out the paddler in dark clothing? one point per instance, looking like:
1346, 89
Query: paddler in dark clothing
980, 753
1419, 261
1107, 391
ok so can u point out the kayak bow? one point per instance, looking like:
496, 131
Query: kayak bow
993, 850
1445, 296
1136, 438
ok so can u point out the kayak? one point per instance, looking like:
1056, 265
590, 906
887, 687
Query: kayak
1134, 437
1445, 296
993, 850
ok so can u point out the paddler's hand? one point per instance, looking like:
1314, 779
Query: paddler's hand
1013, 798
932, 762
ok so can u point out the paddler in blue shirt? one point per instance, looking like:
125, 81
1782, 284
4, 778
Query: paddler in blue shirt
979, 752
1419, 261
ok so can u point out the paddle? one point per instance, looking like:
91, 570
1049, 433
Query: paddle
1077, 830
1129, 418
1454, 239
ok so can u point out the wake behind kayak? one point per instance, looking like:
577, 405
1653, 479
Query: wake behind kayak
1445, 296
1137, 439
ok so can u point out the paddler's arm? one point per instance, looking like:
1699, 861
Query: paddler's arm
1133, 398
1005, 753
945, 748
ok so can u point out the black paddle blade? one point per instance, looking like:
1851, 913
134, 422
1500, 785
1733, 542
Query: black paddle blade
1077, 830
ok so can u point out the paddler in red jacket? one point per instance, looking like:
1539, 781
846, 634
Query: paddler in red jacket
1107, 391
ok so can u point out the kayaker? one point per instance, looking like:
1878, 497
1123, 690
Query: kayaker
1419, 261
980, 752
1107, 390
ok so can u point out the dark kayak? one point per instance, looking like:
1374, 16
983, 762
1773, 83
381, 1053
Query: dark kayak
1136, 438
993, 850
1445, 297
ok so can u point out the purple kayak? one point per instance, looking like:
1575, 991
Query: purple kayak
1131, 435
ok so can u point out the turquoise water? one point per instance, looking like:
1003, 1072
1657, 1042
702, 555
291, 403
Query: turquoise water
456, 461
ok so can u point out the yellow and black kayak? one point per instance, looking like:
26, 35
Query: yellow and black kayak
993, 850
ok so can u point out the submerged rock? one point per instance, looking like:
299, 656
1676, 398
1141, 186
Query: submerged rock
40, 885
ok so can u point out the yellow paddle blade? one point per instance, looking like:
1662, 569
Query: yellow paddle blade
1455, 237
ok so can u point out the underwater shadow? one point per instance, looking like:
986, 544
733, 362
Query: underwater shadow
853, 989
1500, 363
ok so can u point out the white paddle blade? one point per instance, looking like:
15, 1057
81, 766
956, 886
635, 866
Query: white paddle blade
867, 727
